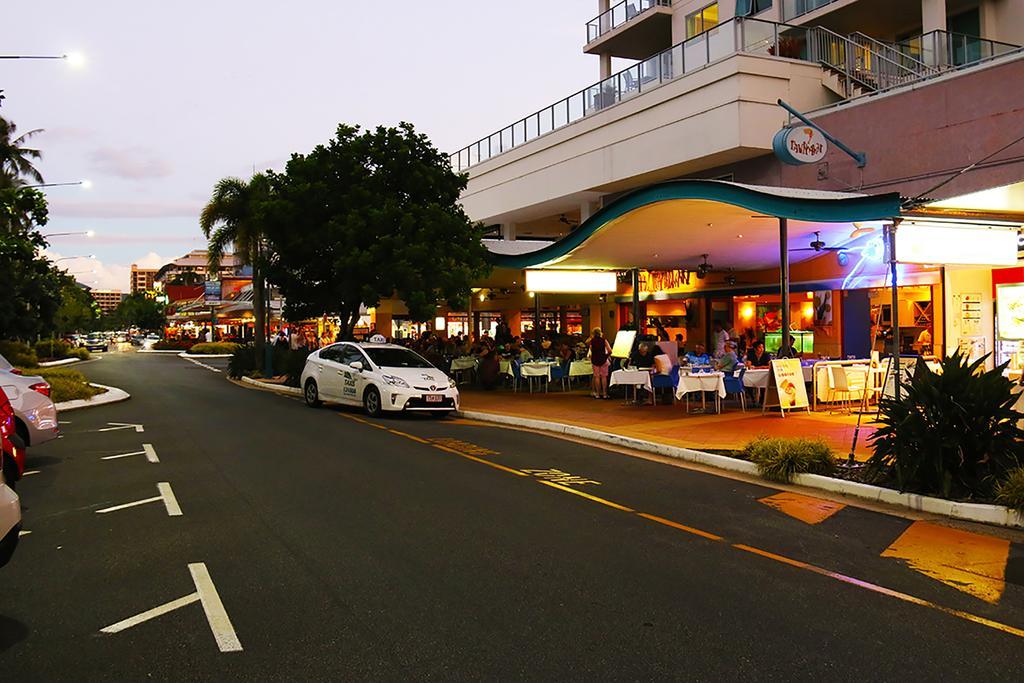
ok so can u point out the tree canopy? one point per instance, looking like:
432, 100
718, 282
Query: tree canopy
138, 310
16, 160
370, 215
78, 311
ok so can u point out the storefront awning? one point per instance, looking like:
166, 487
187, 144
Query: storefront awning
671, 225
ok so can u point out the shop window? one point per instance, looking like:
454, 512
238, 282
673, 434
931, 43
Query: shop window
702, 20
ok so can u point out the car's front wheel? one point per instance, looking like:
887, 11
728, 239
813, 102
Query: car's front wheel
312, 394
371, 402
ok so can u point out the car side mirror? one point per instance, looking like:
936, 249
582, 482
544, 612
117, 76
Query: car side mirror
356, 365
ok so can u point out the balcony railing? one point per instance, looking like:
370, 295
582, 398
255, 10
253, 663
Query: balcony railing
625, 11
791, 9
943, 49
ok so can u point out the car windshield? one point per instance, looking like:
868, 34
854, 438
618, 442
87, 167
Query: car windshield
396, 358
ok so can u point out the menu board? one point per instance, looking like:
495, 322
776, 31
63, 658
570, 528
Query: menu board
786, 389
623, 345
1010, 310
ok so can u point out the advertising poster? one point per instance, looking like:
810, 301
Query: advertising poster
789, 379
211, 291
1010, 309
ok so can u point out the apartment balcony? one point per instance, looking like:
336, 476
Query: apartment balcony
632, 29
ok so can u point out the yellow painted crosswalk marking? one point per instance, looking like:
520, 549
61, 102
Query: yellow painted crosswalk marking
972, 563
805, 508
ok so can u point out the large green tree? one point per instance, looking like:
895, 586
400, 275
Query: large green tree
138, 310
16, 160
78, 311
233, 218
370, 215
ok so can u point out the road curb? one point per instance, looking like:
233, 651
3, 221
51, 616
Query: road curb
973, 512
184, 354
62, 361
112, 395
159, 351
276, 388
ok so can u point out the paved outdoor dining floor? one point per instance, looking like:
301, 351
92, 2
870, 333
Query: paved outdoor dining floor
671, 424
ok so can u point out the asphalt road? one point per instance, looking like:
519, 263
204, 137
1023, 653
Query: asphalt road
342, 548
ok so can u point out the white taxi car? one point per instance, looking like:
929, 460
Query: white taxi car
379, 376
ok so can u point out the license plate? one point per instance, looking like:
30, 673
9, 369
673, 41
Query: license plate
434, 398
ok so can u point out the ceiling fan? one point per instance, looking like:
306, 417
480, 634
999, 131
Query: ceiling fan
704, 268
818, 246
729, 278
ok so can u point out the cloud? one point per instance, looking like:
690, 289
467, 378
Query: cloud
100, 275
124, 209
133, 163
68, 134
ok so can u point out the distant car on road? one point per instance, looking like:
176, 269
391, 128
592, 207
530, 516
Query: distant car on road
95, 342
380, 377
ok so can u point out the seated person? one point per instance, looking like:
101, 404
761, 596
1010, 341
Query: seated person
758, 357
728, 360
792, 351
524, 354
643, 355
698, 356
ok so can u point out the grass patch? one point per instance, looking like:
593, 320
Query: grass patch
779, 459
1010, 492
19, 354
65, 384
214, 348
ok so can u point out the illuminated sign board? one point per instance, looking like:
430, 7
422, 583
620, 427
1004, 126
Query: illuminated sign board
571, 281
933, 243
800, 145
665, 280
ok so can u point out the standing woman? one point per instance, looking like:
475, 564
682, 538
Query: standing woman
600, 359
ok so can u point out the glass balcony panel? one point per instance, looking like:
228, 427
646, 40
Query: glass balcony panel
650, 71
629, 82
544, 120
576, 107
758, 37
721, 41
695, 53
504, 140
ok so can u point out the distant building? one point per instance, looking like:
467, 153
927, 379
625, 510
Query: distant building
192, 269
142, 279
108, 299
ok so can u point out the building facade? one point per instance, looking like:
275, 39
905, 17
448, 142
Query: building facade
193, 268
142, 279
690, 89
108, 299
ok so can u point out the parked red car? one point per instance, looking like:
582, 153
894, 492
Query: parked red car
13, 459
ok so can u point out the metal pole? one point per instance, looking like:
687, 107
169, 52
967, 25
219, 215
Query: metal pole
891, 237
784, 348
536, 320
635, 275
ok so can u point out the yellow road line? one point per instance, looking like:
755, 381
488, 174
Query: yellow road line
602, 501
849, 580
681, 527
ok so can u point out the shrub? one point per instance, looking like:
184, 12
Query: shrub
65, 384
213, 348
80, 354
952, 434
173, 345
243, 362
778, 459
52, 349
19, 354
1010, 491
294, 365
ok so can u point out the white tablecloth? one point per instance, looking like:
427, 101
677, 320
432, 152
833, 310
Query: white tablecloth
536, 369
705, 381
636, 378
581, 368
464, 363
757, 378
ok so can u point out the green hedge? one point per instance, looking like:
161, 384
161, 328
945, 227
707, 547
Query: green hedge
65, 384
1010, 492
214, 348
173, 345
19, 354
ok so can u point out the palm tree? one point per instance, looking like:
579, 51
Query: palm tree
230, 218
16, 160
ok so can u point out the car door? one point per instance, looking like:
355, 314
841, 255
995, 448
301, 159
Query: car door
353, 381
329, 372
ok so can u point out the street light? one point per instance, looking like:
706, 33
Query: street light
86, 184
87, 233
68, 258
74, 59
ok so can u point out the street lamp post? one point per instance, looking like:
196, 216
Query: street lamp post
87, 233
68, 258
86, 184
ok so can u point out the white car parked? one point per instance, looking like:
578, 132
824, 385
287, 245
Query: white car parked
10, 521
380, 377
35, 416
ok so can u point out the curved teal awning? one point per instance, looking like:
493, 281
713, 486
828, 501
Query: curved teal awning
671, 224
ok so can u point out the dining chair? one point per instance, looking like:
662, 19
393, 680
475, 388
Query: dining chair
840, 387
734, 387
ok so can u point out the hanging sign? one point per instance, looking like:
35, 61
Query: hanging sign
800, 145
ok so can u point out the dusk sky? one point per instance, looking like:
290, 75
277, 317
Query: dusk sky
174, 96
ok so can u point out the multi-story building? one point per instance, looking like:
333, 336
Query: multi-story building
920, 88
193, 268
142, 279
108, 299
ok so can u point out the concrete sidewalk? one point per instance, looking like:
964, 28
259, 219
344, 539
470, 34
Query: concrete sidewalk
671, 424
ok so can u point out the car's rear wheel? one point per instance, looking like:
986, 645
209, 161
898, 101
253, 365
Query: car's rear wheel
371, 402
11, 474
312, 394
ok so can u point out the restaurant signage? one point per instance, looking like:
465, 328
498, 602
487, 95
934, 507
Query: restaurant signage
665, 280
786, 388
960, 244
211, 291
800, 145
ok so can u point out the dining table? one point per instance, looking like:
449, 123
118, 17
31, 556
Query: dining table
702, 383
636, 378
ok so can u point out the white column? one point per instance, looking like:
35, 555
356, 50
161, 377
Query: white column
508, 231
933, 15
587, 209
